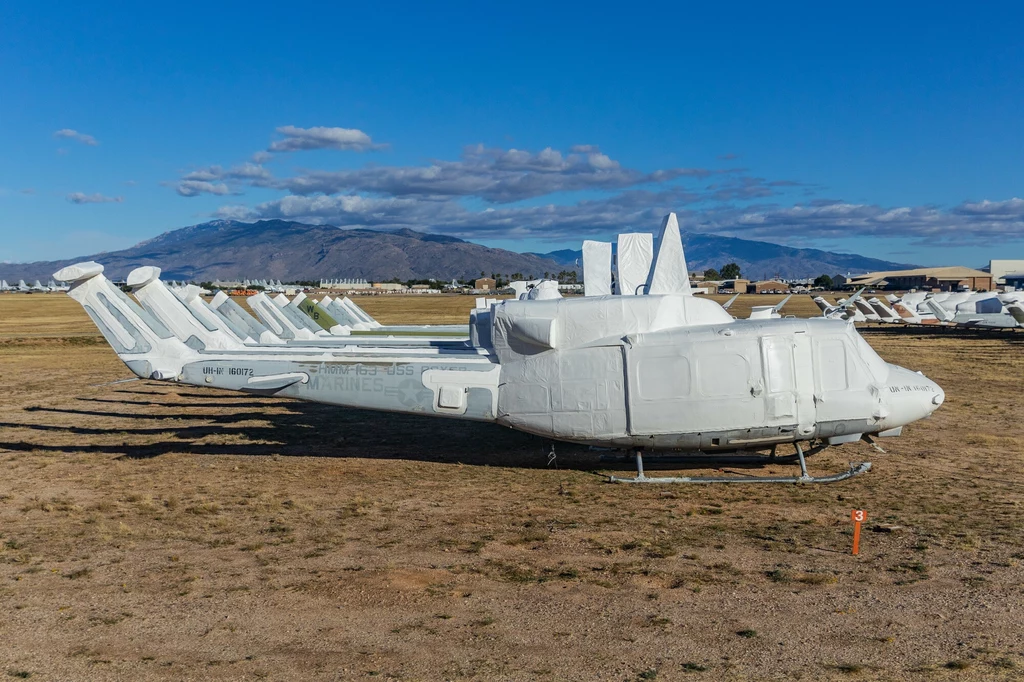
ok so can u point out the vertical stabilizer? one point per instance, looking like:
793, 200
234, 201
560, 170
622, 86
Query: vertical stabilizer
141, 341
940, 312
189, 295
1017, 311
906, 314
366, 317
163, 304
885, 313
668, 271
866, 310
635, 255
320, 316
292, 311
597, 268
225, 306
277, 319
345, 316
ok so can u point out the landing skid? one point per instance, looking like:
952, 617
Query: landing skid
804, 477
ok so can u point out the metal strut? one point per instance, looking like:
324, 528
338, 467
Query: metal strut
803, 463
804, 477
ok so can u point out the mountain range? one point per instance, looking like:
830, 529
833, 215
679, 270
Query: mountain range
290, 251
759, 260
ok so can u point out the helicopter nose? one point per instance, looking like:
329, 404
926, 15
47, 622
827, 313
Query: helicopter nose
910, 396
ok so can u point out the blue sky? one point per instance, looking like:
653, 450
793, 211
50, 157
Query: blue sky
888, 129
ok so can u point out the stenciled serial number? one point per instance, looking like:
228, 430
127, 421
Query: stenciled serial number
229, 371
911, 387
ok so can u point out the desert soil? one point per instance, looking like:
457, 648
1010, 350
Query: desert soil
154, 531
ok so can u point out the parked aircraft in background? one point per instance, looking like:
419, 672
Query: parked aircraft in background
884, 312
843, 309
962, 309
768, 312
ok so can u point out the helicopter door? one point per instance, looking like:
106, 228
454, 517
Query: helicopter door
789, 374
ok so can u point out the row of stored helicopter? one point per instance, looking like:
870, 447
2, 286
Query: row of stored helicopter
991, 310
34, 288
646, 368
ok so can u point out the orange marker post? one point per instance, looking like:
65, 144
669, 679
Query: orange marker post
858, 516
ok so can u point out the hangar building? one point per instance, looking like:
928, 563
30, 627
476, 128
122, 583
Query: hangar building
1007, 272
951, 278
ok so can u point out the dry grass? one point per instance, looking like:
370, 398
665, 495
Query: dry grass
454, 309
158, 531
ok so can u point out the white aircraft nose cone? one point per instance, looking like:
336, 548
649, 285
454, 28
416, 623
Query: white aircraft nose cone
910, 396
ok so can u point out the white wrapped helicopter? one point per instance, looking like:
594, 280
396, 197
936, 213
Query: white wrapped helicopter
663, 371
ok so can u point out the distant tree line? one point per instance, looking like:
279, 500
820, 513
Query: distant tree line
728, 271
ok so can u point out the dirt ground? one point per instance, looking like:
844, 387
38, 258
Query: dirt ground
153, 531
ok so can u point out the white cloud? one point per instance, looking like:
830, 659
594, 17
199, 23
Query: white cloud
321, 137
1012, 209
808, 224
75, 135
962, 224
82, 198
193, 188
218, 180
494, 175
445, 196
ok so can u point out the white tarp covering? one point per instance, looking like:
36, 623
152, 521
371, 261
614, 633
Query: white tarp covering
989, 304
597, 268
668, 272
581, 321
522, 287
545, 290
636, 252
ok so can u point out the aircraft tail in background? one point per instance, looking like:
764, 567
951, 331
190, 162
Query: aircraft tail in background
141, 341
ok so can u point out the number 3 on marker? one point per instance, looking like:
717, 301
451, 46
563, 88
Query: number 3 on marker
858, 517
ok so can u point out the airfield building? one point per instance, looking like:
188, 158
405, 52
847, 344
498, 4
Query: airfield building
734, 286
770, 286
344, 284
484, 284
951, 278
1007, 272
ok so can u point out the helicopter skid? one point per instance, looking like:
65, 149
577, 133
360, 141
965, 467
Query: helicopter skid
804, 477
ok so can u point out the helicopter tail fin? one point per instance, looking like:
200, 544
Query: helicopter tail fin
141, 341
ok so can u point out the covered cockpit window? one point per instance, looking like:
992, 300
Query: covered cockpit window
874, 362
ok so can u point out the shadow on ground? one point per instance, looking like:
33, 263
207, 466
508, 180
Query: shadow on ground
150, 424
227, 425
